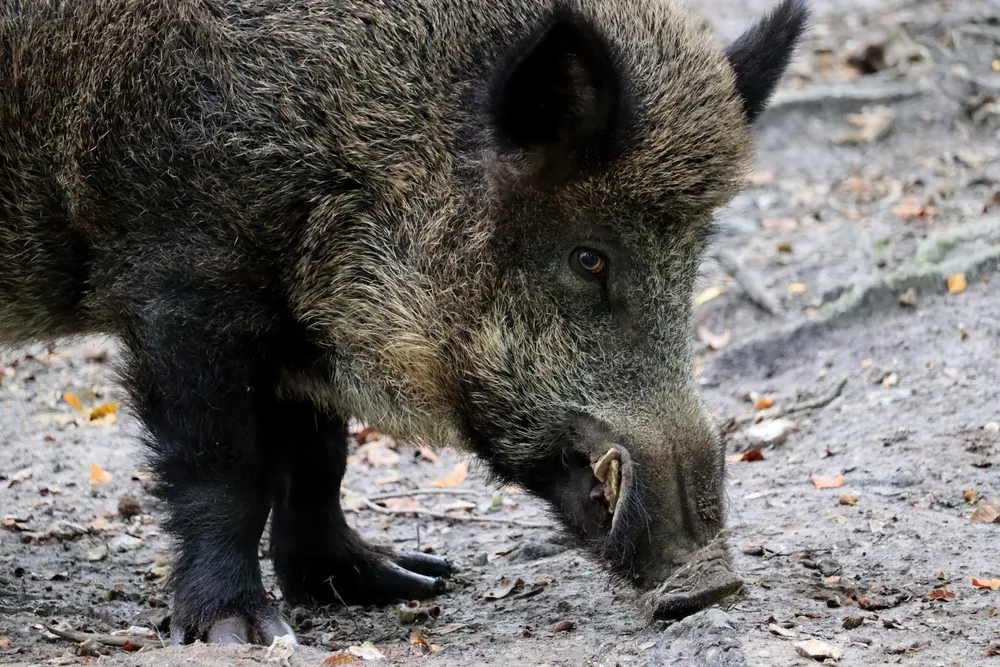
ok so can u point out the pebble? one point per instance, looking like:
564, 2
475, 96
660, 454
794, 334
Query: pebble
817, 650
770, 432
829, 567
128, 507
852, 621
123, 543
98, 553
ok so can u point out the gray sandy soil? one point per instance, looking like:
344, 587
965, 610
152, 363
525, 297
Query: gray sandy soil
837, 232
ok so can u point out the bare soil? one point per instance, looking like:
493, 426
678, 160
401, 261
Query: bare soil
837, 230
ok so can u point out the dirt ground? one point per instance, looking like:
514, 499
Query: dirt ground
878, 180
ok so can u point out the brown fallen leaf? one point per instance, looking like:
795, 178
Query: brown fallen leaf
872, 124
98, 476
763, 403
957, 283
833, 482
427, 454
991, 584
74, 401
503, 588
848, 499
20, 476
753, 455
985, 513
992, 649
104, 410
712, 341
405, 504
342, 659
368, 434
4, 642
797, 288
911, 208
418, 639
970, 495
785, 247
941, 594
456, 477
378, 455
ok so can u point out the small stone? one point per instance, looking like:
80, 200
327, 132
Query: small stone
890, 380
751, 549
564, 626
480, 559
852, 621
829, 567
848, 499
770, 432
128, 507
776, 629
817, 650
98, 553
123, 543
992, 427
909, 298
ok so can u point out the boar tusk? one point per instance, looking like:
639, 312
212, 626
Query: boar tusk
601, 466
607, 469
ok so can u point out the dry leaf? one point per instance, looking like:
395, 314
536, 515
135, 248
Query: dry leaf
98, 476
104, 410
957, 283
779, 224
342, 659
785, 247
828, 482
753, 455
970, 496
992, 649
708, 294
428, 454
991, 584
872, 125
20, 476
911, 208
503, 589
760, 178
367, 435
763, 403
941, 594
797, 288
848, 499
405, 504
456, 477
378, 455
366, 651
74, 401
4, 642
985, 513
711, 341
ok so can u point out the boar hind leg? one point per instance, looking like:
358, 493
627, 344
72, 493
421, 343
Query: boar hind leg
196, 385
317, 556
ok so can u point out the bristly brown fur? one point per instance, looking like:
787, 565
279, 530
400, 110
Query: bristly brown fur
297, 212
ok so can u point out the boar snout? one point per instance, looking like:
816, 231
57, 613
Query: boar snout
653, 510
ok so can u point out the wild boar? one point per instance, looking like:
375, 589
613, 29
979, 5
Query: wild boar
474, 223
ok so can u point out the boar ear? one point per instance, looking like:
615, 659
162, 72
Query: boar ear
761, 54
555, 98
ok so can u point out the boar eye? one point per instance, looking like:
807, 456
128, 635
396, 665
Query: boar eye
590, 262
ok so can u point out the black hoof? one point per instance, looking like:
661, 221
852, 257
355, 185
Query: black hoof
374, 577
247, 628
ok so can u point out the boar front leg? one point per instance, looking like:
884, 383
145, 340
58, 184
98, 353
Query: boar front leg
199, 377
318, 557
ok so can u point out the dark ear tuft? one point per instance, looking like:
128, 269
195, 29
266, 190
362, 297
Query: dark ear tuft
556, 97
761, 54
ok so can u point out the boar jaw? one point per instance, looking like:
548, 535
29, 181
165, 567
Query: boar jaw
704, 579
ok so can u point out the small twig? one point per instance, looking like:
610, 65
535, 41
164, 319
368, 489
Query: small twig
329, 582
441, 515
420, 492
749, 281
107, 640
843, 95
778, 411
